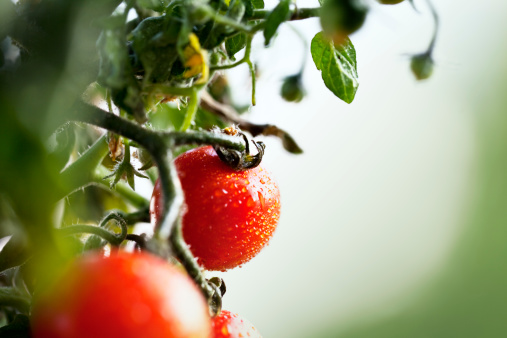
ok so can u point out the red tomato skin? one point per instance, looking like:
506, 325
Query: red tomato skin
125, 295
229, 215
230, 325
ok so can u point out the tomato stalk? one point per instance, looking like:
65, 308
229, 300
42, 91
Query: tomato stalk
160, 145
120, 189
191, 110
112, 238
296, 13
169, 227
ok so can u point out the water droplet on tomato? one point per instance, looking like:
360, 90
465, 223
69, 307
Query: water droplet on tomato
261, 199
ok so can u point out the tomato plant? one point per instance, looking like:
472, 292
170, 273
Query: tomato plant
149, 75
230, 325
229, 215
125, 295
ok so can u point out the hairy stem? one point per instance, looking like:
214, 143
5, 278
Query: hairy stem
120, 189
95, 230
186, 258
246, 57
169, 91
191, 110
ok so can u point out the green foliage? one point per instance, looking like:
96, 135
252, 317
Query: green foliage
14, 253
338, 66
279, 14
18, 328
234, 44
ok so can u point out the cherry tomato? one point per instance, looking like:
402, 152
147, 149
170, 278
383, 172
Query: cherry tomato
230, 325
125, 295
229, 216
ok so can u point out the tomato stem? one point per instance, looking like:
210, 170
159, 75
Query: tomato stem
296, 13
120, 189
191, 110
112, 238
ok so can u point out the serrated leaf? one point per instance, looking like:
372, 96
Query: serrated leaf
279, 14
338, 66
234, 44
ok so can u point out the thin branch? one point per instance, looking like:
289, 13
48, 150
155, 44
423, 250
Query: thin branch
229, 114
296, 13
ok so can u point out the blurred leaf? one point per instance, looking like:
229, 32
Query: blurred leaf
19, 328
235, 44
154, 42
90, 204
14, 253
13, 298
338, 66
61, 145
279, 14
155, 5
116, 71
258, 4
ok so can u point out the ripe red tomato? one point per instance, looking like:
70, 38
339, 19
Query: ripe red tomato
229, 216
125, 295
230, 325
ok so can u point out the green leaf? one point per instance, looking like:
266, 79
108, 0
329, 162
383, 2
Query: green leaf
18, 328
338, 66
279, 14
258, 4
14, 253
234, 44
155, 5
12, 297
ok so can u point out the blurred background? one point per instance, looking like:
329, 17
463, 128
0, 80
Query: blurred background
394, 220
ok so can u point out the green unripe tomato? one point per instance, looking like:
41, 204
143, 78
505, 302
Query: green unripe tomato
339, 18
390, 2
422, 66
292, 88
